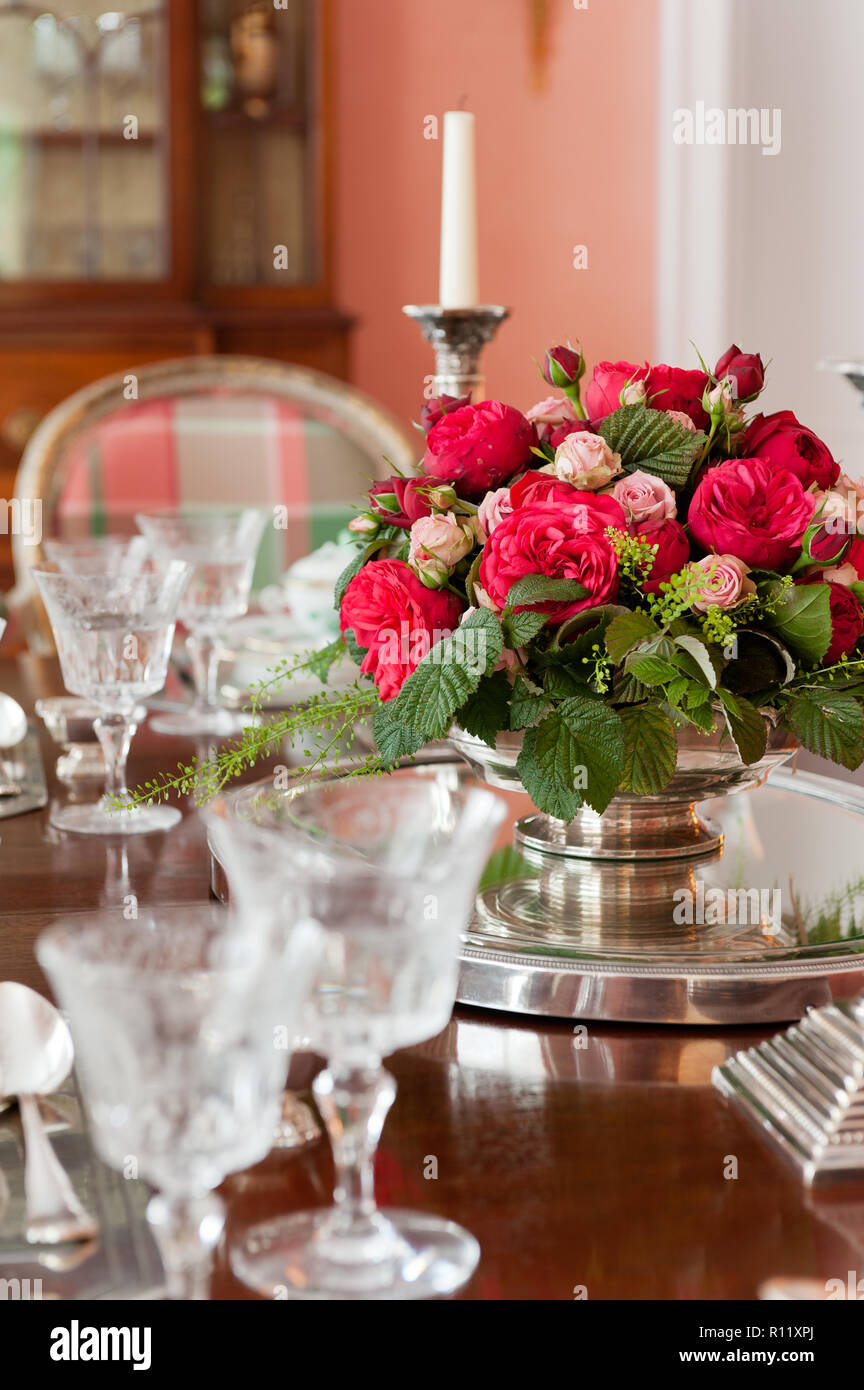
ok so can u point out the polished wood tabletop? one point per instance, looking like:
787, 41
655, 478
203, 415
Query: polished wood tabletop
590, 1162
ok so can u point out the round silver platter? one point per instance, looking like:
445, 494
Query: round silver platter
596, 940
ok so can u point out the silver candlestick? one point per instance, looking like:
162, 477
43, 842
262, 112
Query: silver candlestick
458, 337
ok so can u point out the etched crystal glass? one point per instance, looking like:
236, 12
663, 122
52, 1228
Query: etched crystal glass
220, 548
113, 632
176, 1019
388, 870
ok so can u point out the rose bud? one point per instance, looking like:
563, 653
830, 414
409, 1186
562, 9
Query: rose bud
438, 543
672, 551
725, 582
645, 497
401, 501
478, 447
366, 524
438, 406
823, 543
745, 368
784, 442
493, 509
586, 461
564, 367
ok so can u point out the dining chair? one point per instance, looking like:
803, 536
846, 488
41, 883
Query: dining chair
209, 430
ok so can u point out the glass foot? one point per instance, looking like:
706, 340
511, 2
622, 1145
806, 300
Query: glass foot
95, 819
217, 723
406, 1255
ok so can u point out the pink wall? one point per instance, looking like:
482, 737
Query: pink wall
572, 163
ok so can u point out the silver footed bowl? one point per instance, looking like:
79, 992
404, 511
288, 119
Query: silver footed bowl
663, 825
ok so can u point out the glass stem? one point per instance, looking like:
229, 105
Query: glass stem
203, 648
114, 732
354, 1102
187, 1231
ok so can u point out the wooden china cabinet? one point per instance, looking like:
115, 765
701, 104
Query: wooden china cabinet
164, 191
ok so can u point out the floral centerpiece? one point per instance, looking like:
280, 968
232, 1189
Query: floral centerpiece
638, 552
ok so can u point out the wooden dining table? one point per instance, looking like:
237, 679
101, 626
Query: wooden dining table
591, 1161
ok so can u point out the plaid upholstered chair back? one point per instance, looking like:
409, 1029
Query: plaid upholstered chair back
206, 431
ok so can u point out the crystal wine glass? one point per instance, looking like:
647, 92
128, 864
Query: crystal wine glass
113, 633
220, 546
97, 554
388, 869
173, 1019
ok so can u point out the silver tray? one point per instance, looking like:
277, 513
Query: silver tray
608, 951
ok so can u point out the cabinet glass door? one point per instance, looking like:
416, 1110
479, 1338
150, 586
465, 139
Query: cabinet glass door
83, 120
257, 90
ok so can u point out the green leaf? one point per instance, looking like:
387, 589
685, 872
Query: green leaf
746, 725
354, 650
351, 570
471, 579
703, 716
448, 674
521, 628
626, 690
803, 620
830, 723
858, 591
651, 670
701, 667
627, 631
583, 738
487, 711
648, 439
394, 740
595, 618
559, 683
677, 689
525, 707
321, 661
543, 588
650, 749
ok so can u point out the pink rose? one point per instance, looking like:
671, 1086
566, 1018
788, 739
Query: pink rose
548, 539
478, 447
554, 410
745, 507
586, 461
837, 574
438, 543
725, 582
396, 619
493, 509
608, 380
593, 511
671, 550
645, 497
784, 442
681, 419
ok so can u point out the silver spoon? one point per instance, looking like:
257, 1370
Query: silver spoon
13, 728
35, 1058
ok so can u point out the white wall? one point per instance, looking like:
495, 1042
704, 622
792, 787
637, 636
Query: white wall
783, 273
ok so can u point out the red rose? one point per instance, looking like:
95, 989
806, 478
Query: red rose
855, 556
438, 406
847, 623
548, 539
674, 388
784, 442
556, 434
479, 447
673, 550
746, 370
603, 392
599, 510
744, 507
397, 619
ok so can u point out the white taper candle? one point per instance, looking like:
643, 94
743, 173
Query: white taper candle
458, 279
